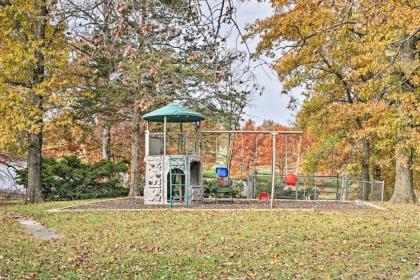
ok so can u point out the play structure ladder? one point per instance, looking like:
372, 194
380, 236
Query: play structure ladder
174, 163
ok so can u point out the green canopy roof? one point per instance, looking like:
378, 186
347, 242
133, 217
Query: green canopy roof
174, 113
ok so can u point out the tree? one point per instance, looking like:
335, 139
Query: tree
345, 55
401, 91
96, 33
33, 63
173, 55
137, 55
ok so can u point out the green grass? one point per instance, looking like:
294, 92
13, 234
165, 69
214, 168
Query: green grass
209, 173
168, 244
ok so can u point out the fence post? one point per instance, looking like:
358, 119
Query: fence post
273, 168
382, 191
343, 187
338, 187
363, 190
254, 189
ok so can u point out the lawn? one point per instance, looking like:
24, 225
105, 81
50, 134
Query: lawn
165, 244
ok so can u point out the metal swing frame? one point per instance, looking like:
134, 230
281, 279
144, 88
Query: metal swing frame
273, 134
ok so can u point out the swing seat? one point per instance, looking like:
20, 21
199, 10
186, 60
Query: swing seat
224, 182
263, 196
224, 189
225, 193
222, 171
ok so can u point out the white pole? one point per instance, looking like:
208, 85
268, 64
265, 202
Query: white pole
297, 166
199, 137
163, 160
298, 156
181, 149
217, 152
273, 168
256, 153
147, 141
242, 155
285, 158
164, 136
288, 132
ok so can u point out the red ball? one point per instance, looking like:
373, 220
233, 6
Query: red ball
263, 196
291, 180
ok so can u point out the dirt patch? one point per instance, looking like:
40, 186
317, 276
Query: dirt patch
138, 203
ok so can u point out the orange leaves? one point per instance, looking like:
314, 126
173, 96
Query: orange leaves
122, 8
356, 63
254, 151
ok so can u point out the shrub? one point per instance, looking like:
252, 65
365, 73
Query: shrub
210, 188
70, 179
237, 189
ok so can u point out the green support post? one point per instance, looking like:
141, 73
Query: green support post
184, 196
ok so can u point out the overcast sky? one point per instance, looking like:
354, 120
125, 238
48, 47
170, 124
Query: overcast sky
271, 105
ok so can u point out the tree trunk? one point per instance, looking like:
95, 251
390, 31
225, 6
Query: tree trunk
377, 172
403, 189
34, 155
34, 161
135, 153
106, 141
365, 169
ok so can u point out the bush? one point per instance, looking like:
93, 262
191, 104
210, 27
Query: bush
211, 188
237, 189
70, 179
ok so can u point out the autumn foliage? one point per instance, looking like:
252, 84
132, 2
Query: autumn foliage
247, 152
356, 64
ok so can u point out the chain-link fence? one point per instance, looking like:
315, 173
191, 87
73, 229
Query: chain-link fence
316, 188
356, 188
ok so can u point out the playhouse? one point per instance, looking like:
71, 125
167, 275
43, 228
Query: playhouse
173, 162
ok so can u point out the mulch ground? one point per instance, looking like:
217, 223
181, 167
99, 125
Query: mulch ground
138, 203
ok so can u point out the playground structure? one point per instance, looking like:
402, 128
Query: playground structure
174, 166
177, 177
173, 176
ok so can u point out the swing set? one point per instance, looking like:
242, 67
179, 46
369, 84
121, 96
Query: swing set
174, 176
222, 172
174, 164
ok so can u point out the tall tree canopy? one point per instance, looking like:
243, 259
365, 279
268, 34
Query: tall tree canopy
127, 56
135, 55
356, 63
33, 65
138, 55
